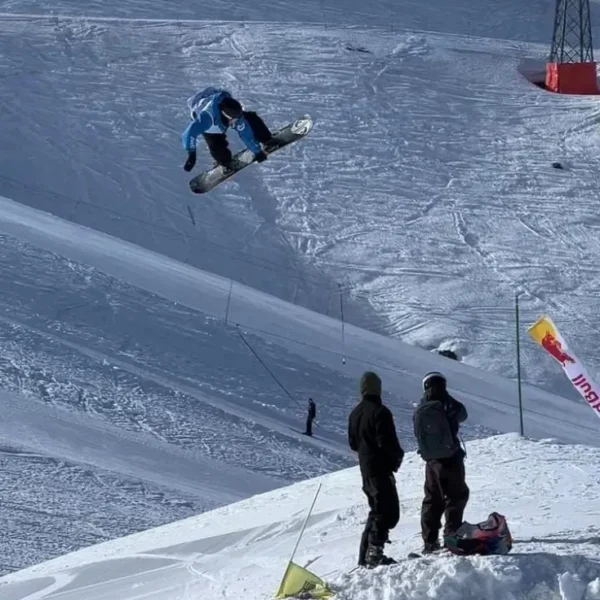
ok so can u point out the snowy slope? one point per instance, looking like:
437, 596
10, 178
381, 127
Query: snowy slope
71, 480
425, 190
423, 196
306, 335
127, 411
547, 491
124, 375
512, 20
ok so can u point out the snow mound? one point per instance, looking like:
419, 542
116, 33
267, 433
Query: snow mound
241, 551
513, 577
593, 590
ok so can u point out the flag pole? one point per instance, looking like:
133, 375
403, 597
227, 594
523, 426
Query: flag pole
305, 522
519, 391
343, 324
300, 536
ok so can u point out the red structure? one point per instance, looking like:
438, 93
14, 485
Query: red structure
571, 78
571, 68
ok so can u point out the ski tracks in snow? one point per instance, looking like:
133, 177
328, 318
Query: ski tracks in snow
434, 125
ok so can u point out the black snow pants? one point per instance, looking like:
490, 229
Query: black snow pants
446, 493
309, 424
217, 143
384, 514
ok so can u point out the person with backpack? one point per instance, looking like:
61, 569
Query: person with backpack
436, 422
372, 433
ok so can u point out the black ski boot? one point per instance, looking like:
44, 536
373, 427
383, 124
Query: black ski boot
431, 547
376, 558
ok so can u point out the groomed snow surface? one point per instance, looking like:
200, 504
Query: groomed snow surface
150, 433
129, 405
425, 189
136, 376
548, 492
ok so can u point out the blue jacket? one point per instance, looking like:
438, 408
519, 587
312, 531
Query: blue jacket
205, 105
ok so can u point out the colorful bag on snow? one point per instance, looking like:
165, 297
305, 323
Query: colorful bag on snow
489, 537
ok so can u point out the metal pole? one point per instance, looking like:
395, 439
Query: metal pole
289, 565
228, 302
305, 522
343, 325
519, 363
323, 13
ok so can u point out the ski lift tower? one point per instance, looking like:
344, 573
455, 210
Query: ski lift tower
571, 68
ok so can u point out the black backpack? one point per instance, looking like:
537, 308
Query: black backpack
434, 432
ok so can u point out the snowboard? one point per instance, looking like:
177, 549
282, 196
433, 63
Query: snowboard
204, 182
441, 551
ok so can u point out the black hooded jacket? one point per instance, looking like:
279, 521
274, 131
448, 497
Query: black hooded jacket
372, 433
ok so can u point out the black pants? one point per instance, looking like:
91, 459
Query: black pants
446, 493
309, 421
384, 514
217, 143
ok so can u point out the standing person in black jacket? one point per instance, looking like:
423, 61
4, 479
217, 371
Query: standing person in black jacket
311, 416
371, 433
436, 422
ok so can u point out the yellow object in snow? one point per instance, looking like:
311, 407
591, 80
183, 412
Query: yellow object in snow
297, 582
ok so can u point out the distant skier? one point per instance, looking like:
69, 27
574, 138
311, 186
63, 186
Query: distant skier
436, 422
312, 415
213, 111
371, 433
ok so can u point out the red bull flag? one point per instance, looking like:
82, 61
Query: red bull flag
545, 333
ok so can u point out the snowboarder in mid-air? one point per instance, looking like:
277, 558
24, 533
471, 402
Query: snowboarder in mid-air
213, 111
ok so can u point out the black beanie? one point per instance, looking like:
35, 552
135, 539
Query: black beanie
370, 384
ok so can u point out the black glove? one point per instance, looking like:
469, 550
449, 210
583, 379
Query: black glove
260, 156
190, 162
